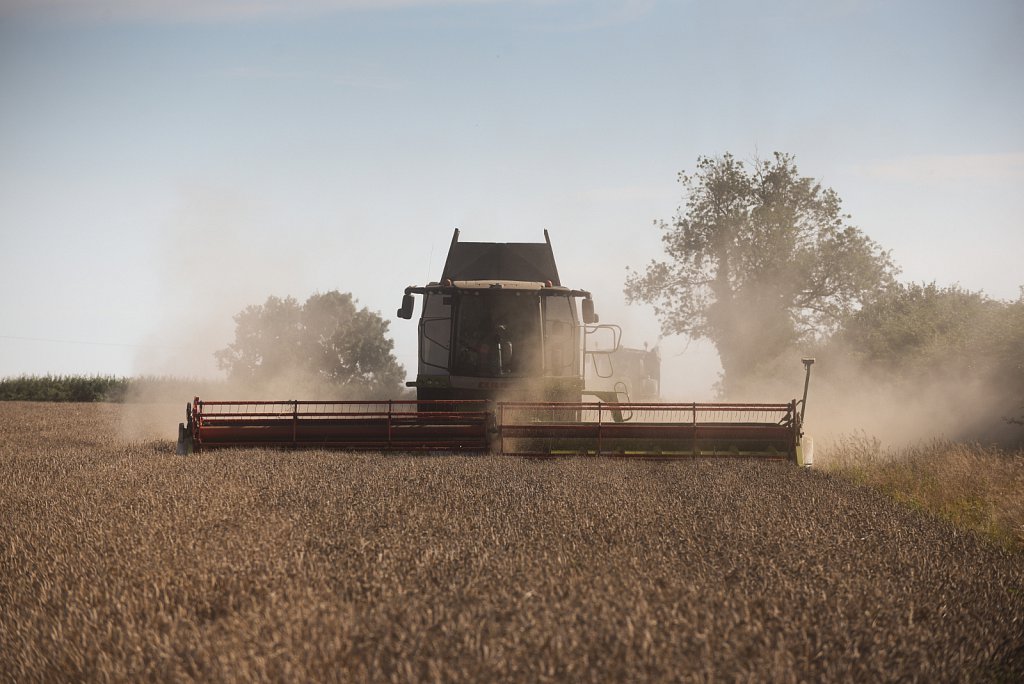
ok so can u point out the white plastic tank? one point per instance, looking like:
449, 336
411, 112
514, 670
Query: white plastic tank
807, 444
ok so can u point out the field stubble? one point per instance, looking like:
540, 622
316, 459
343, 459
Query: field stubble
121, 561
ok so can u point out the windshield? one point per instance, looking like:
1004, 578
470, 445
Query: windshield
500, 333
497, 334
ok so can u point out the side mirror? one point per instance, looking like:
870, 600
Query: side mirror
408, 302
589, 316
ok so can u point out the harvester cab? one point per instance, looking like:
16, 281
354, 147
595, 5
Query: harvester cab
500, 326
510, 363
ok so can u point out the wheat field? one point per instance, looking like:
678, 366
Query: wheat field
120, 561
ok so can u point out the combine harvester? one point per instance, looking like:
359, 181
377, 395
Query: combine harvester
510, 362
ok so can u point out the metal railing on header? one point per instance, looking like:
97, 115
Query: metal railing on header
389, 424
528, 428
766, 430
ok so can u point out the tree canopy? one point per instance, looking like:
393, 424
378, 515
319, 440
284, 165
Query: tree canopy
758, 259
913, 329
326, 342
918, 334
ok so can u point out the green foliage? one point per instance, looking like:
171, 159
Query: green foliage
917, 334
64, 388
922, 329
326, 342
97, 388
757, 260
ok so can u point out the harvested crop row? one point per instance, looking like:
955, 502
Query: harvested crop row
119, 560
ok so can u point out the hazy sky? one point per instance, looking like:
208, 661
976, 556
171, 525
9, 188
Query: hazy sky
163, 164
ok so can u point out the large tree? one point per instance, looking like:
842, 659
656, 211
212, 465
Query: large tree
758, 259
325, 343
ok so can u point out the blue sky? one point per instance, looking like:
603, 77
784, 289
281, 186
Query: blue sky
164, 164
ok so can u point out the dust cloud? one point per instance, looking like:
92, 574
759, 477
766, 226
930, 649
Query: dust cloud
849, 397
900, 413
220, 253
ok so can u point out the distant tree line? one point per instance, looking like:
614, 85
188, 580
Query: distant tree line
100, 388
64, 388
915, 330
920, 334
